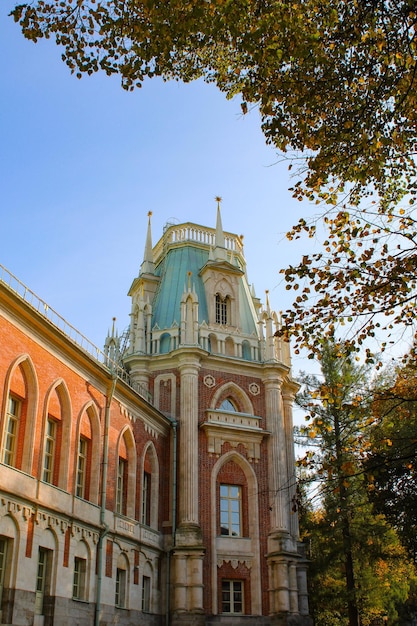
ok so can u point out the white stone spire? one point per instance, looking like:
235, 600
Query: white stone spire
220, 252
148, 265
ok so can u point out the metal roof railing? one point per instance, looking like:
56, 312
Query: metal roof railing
74, 335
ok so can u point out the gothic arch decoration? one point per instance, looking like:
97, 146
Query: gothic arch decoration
238, 427
150, 485
88, 428
28, 392
189, 318
58, 411
243, 550
229, 347
126, 450
238, 396
213, 344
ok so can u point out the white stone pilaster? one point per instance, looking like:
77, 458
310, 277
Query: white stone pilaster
188, 451
278, 476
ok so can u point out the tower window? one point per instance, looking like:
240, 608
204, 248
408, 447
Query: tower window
222, 309
228, 405
230, 510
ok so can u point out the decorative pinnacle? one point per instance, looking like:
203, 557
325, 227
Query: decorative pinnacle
218, 199
149, 213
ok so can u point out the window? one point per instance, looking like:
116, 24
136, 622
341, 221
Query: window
222, 309
120, 596
228, 405
3, 562
42, 579
81, 467
79, 582
230, 510
11, 431
146, 594
49, 455
146, 499
121, 486
232, 596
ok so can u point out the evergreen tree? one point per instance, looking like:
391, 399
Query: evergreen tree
360, 572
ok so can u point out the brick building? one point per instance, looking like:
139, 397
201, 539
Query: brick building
152, 483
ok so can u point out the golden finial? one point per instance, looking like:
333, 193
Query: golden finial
149, 213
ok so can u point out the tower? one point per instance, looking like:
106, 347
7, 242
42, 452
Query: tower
204, 349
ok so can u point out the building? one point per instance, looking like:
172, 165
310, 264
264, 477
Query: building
152, 483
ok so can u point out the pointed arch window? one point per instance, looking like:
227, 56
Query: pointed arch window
228, 405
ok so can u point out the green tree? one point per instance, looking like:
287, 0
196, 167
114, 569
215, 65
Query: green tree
356, 555
392, 459
334, 82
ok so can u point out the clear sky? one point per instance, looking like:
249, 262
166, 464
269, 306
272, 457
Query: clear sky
83, 161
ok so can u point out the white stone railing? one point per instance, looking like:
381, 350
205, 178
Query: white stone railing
178, 233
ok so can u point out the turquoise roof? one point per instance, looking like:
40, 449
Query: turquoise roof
173, 271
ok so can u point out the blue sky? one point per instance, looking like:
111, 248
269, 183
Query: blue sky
83, 161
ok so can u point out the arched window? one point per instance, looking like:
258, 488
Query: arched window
87, 460
228, 405
165, 343
122, 569
126, 475
232, 507
57, 438
150, 480
246, 351
81, 572
19, 419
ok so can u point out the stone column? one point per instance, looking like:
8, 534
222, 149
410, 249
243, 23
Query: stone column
188, 552
278, 478
188, 435
288, 399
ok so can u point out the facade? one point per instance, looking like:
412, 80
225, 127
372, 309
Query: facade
152, 483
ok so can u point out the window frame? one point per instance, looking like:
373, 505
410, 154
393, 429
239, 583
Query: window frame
120, 588
121, 485
50, 445
146, 498
230, 507
222, 310
11, 437
146, 594
231, 592
82, 460
79, 581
